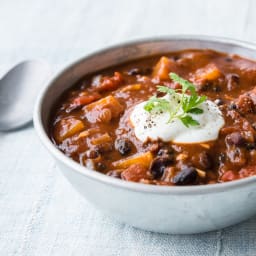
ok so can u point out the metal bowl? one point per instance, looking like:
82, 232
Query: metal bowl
176, 210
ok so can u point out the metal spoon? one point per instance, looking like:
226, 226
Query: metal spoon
18, 91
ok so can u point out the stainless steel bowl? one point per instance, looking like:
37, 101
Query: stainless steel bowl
177, 210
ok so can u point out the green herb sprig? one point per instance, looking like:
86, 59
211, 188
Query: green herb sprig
187, 103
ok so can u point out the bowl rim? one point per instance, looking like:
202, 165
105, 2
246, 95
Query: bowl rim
138, 187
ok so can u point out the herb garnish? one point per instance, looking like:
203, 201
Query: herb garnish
187, 103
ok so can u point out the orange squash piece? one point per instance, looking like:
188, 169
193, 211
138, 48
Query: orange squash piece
210, 73
163, 67
95, 112
143, 159
68, 127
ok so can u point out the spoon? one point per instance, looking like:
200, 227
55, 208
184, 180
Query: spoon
18, 91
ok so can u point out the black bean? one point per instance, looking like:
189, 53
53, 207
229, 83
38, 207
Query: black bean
235, 78
175, 58
158, 166
228, 59
210, 86
186, 176
114, 174
139, 71
219, 102
235, 138
205, 160
92, 153
232, 81
166, 152
100, 166
221, 158
104, 147
232, 106
134, 72
250, 146
206, 87
216, 88
124, 146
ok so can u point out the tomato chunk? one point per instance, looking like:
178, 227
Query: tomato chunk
86, 99
135, 172
110, 83
247, 171
229, 176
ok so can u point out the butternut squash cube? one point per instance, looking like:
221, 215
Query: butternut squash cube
143, 159
101, 139
68, 127
103, 110
163, 67
131, 87
210, 73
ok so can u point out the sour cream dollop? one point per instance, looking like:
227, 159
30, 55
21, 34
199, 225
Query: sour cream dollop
155, 126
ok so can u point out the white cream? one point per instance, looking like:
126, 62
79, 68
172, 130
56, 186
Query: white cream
155, 125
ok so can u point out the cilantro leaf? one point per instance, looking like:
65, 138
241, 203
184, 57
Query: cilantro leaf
165, 89
187, 103
188, 120
196, 111
157, 104
200, 99
186, 85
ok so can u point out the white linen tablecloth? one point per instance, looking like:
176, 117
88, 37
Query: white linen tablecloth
40, 213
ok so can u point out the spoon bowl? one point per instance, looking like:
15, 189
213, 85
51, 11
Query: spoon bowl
18, 91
